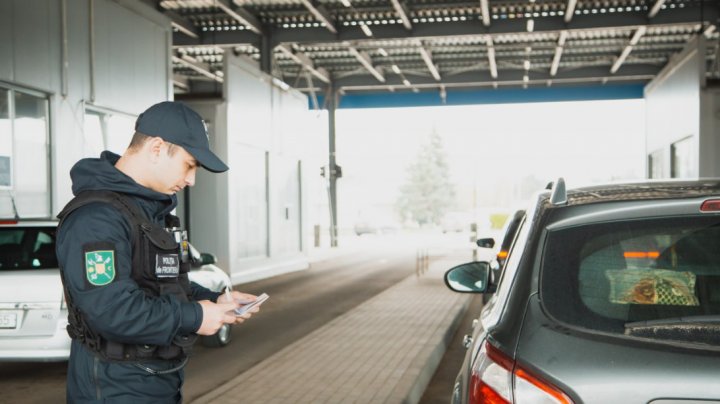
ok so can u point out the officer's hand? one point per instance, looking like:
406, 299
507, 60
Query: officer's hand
241, 298
215, 315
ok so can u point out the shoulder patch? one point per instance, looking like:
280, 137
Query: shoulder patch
99, 264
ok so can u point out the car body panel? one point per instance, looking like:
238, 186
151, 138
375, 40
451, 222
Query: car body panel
598, 369
33, 316
592, 366
34, 298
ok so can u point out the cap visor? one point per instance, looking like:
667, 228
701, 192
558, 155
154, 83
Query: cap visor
207, 159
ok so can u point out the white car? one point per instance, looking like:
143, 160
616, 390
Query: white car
33, 313
206, 274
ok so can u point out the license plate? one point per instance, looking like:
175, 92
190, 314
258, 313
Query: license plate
8, 320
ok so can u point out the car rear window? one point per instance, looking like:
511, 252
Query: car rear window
27, 248
605, 276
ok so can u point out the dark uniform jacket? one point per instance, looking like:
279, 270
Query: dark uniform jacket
120, 311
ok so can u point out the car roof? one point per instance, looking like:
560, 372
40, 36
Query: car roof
645, 190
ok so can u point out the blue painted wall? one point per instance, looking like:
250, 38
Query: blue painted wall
489, 96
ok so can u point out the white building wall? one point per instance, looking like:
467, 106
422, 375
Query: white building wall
677, 110
131, 66
257, 221
250, 217
710, 128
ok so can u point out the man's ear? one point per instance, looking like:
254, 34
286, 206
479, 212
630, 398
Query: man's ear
154, 147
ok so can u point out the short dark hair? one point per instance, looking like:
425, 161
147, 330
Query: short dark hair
139, 139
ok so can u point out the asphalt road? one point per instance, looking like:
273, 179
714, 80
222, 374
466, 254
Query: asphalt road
299, 303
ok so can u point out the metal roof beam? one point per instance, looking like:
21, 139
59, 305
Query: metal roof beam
427, 57
402, 12
243, 16
485, 10
366, 61
182, 24
200, 67
632, 20
656, 8
321, 14
558, 53
513, 76
633, 41
687, 15
491, 58
181, 82
570, 10
305, 61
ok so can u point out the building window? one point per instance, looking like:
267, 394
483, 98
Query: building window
24, 154
106, 130
681, 161
655, 164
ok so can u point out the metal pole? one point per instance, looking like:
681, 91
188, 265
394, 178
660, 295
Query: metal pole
332, 105
266, 51
91, 28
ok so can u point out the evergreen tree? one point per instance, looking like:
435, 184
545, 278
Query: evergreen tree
428, 193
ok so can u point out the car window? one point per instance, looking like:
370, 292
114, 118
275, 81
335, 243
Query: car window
510, 231
604, 276
27, 248
499, 298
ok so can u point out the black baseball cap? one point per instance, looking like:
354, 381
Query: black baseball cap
176, 123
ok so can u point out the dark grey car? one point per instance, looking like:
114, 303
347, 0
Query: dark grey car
609, 295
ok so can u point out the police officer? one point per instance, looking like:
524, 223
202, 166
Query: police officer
133, 314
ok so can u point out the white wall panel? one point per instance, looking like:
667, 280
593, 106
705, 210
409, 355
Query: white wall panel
710, 129
128, 50
249, 105
258, 200
133, 72
6, 43
36, 41
210, 219
673, 106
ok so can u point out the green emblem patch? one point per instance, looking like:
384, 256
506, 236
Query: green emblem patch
100, 267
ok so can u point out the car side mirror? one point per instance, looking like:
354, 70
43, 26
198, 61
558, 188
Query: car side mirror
472, 277
486, 242
207, 258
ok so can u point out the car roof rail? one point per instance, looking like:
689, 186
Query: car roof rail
559, 193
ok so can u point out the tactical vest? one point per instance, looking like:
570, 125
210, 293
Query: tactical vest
160, 266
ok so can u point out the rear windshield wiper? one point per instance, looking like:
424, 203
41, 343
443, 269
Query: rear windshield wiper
693, 329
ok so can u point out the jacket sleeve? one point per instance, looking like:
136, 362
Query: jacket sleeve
119, 310
202, 293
